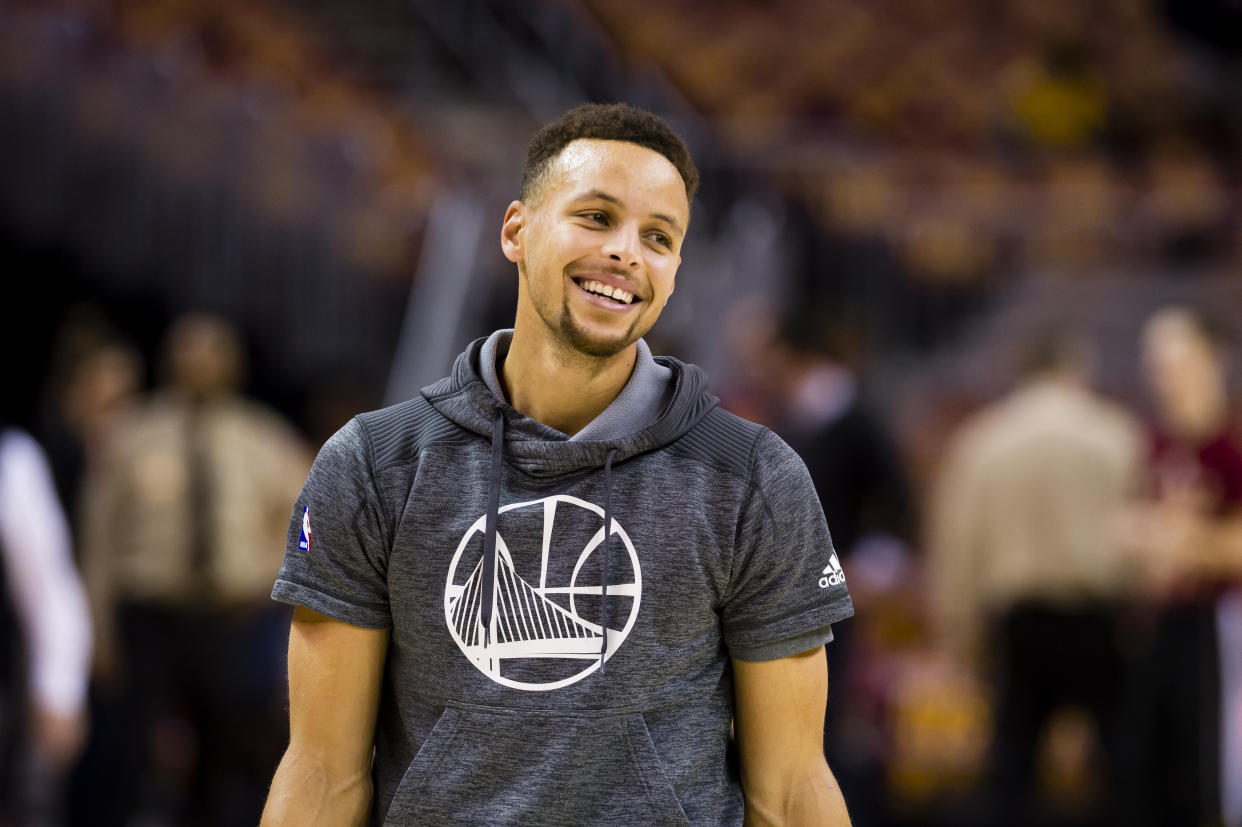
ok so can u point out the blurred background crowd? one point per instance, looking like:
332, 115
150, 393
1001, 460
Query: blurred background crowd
979, 263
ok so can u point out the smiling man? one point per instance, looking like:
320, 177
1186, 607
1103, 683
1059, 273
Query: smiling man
562, 585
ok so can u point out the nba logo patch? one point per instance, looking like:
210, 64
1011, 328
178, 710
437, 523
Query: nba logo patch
304, 542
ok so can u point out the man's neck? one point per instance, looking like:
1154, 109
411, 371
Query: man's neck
562, 389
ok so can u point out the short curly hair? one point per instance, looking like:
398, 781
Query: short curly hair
609, 122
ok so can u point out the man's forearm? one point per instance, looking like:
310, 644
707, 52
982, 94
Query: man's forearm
306, 793
813, 798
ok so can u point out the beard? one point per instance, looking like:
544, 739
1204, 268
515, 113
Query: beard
589, 345
584, 343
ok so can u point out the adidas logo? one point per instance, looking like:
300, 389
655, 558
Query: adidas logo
833, 575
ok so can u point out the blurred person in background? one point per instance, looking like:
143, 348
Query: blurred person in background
846, 445
96, 375
1182, 739
45, 639
182, 537
862, 487
1028, 581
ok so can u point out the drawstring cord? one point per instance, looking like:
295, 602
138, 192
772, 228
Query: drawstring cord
488, 609
603, 622
489, 532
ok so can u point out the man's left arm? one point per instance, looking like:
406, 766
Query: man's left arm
779, 723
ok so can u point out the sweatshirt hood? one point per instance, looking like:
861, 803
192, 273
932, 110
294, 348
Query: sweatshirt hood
538, 450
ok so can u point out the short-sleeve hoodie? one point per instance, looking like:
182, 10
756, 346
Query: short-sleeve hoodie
536, 672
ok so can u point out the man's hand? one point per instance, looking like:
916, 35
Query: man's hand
779, 723
335, 672
1172, 543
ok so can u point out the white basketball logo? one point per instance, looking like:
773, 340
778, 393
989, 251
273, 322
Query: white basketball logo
539, 638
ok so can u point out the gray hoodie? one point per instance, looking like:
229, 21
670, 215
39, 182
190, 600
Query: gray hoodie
538, 672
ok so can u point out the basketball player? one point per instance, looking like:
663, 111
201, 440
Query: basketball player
562, 586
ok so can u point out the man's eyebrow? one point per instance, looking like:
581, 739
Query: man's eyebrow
600, 195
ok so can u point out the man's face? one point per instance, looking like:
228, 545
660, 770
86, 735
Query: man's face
608, 217
204, 355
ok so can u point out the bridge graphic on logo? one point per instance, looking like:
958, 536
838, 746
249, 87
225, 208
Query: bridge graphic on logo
528, 623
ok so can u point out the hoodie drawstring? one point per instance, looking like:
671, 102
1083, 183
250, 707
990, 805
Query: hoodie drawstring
603, 610
489, 531
488, 608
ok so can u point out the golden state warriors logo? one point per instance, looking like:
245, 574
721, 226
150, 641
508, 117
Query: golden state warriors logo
545, 630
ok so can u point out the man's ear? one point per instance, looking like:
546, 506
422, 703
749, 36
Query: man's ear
512, 237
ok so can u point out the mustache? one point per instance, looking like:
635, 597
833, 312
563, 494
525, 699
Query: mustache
609, 269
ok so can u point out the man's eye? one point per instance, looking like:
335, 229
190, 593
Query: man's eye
596, 216
661, 239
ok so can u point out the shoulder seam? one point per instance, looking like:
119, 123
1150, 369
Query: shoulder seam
370, 460
763, 495
752, 488
750, 481
750, 461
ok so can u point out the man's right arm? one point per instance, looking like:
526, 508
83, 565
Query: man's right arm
335, 671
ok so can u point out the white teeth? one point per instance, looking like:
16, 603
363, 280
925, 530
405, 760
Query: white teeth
608, 290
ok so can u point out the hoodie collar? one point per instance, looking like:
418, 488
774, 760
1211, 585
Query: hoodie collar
639, 404
536, 449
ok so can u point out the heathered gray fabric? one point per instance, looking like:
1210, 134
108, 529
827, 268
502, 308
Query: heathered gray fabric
718, 549
637, 406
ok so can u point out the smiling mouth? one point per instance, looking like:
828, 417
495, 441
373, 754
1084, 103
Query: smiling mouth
606, 291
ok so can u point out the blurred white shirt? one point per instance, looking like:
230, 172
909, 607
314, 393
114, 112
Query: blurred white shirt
44, 586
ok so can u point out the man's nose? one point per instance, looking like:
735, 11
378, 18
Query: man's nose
622, 246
